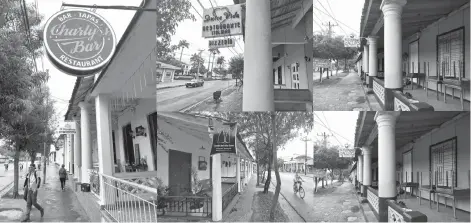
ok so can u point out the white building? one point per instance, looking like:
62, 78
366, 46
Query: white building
426, 153
166, 72
403, 40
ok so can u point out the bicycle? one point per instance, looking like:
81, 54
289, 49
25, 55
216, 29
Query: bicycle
300, 190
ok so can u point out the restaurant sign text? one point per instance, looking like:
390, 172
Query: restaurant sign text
349, 153
351, 42
222, 21
221, 43
79, 42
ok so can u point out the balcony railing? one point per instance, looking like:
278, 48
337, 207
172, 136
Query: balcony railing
198, 206
373, 199
126, 201
228, 195
399, 214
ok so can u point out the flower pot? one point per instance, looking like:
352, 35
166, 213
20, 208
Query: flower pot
199, 212
161, 212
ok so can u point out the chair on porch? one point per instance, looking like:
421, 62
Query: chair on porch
461, 84
430, 188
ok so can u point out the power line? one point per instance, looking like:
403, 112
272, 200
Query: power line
327, 127
336, 20
333, 131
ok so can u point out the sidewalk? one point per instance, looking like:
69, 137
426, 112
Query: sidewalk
175, 83
59, 206
342, 92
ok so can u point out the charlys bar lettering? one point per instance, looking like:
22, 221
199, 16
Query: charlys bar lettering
222, 21
221, 43
79, 42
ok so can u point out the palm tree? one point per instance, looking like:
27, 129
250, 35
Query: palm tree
181, 45
215, 51
220, 61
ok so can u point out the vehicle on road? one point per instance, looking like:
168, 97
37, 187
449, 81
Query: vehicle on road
195, 83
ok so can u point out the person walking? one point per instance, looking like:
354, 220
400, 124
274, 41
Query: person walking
31, 186
62, 176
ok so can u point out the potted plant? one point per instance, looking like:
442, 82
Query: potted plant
196, 204
143, 165
162, 191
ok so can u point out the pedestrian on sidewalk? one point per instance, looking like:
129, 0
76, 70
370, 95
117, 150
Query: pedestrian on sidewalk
31, 186
62, 176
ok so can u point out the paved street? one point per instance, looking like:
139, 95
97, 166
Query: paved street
6, 177
59, 206
178, 98
342, 92
337, 204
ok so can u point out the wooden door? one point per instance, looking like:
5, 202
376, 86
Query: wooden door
179, 172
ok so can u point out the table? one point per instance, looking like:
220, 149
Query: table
417, 76
460, 84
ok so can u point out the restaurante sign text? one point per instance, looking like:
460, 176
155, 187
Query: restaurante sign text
222, 21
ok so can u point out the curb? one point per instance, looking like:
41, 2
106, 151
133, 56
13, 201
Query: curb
174, 86
184, 110
5, 189
289, 203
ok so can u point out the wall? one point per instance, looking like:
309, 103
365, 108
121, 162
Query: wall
428, 47
421, 154
229, 171
137, 118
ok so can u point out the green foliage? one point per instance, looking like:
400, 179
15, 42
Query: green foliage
169, 14
236, 67
333, 48
220, 61
328, 158
197, 60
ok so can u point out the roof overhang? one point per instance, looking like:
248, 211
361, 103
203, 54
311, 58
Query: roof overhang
416, 15
409, 126
81, 88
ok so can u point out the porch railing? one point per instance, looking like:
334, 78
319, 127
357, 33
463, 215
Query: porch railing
179, 206
373, 199
399, 214
378, 89
126, 201
228, 195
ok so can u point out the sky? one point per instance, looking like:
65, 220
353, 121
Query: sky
61, 84
344, 14
191, 31
339, 125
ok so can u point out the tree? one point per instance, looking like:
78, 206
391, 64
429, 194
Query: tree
197, 62
221, 61
328, 158
277, 173
236, 67
169, 14
182, 45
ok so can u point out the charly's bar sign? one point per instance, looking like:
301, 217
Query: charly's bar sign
79, 42
222, 21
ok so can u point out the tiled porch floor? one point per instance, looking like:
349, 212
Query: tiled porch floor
445, 214
451, 104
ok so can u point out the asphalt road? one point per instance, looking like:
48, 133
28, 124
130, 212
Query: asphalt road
178, 98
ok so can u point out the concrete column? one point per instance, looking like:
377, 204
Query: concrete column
367, 172
392, 10
373, 60
71, 154
86, 142
66, 151
258, 90
386, 122
217, 190
77, 150
105, 146
365, 58
360, 176
237, 173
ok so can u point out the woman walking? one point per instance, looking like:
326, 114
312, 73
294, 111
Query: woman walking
62, 176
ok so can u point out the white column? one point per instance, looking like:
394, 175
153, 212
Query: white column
71, 153
66, 151
237, 173
217, 190
258, 90
373, 60
77, 150
365, 58
392, 10
105, 146
86, 142
386, 153
360, 159
366, 169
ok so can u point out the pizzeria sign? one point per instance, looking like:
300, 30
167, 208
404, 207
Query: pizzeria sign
221, 43
79, 42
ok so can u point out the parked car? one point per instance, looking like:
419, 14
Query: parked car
195, 83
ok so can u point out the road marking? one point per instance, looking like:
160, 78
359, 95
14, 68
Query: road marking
198, 103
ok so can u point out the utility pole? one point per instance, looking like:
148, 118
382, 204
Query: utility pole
305, 157
324, 140
330, 25
45, 136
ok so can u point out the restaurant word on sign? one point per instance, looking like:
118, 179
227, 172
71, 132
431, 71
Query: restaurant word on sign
79, 42
222, 21
346, 153
221, 43
351, 42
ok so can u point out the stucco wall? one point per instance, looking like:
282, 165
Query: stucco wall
428, 46
136, 118
421, 155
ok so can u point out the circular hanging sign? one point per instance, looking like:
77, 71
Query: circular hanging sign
79, 42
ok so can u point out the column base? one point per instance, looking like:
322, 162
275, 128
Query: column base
383, 208
364, 189
389, 98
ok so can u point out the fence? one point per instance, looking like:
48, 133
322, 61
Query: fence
126, 201
197, 206
229, 195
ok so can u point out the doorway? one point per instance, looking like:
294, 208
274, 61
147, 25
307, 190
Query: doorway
295, 75
128, 144
179, 172
152, 120
407, 169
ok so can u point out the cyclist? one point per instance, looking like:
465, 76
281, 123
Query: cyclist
297, 181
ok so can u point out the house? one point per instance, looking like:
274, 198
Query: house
278, 42
423, 42
114, 149
425, 154
184, 148
298, 163
166, 72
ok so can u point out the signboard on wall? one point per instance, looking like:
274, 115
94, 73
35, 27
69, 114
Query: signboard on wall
224, 138
66, 127
222, 21
322, 63
351, 42
79, 42
221, 43
348, 153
